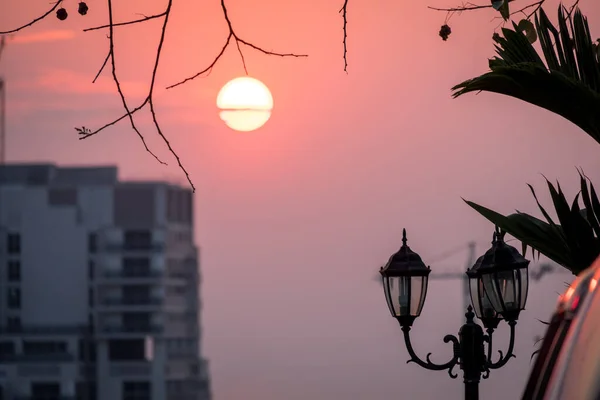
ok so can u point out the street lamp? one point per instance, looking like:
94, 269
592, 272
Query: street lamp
498, 283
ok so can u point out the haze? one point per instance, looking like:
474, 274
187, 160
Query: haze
294, 219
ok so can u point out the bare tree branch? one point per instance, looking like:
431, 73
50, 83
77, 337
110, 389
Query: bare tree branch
344, 12
465, 7
151, 91
238, 40
149, 100
111, 53
472, 7
536, 6
102, 67
38, 19
144, 19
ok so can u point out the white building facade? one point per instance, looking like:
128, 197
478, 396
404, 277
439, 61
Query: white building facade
99, 288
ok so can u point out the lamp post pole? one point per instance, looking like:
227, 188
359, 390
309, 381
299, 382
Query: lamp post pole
498, 283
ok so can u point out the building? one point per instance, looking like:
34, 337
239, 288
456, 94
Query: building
99, 284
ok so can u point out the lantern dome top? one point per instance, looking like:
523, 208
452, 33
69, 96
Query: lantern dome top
405, 262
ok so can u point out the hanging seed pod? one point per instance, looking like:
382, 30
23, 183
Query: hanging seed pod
445, 31
62, 14
83, 8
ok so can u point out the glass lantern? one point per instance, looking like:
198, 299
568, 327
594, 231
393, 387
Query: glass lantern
405, 279
505, 277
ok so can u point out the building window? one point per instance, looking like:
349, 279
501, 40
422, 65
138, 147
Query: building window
86, 391
14, 271
127, 350
92, 243
136, 390
87, 350
136, 266
13, 324
45, 390
91, 270
62, 197
136, 294
7, 350
13, 243
137, 321
43, 348
91, 297
13, 298
138, 240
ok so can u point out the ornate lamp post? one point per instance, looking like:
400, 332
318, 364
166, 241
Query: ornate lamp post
498, 283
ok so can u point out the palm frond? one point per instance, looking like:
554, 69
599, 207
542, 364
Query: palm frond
574, 242
567, 83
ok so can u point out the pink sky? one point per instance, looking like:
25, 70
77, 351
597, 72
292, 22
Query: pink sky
294, 218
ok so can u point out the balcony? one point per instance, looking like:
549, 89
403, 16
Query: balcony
121, 277
134, 330
56, 358
130, 302
133, 275
130, 369
132, 248
45, 397
44, 330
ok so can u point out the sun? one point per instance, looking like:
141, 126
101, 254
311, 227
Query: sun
245, 104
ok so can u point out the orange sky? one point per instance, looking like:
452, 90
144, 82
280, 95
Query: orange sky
294, 218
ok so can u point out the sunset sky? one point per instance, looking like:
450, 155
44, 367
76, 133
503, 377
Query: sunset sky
294, 219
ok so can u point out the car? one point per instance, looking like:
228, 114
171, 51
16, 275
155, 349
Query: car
567, 366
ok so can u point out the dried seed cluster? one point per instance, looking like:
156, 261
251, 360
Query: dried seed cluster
62, 13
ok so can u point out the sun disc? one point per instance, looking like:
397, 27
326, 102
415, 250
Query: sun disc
245, 104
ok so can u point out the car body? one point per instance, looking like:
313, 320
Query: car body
567, 366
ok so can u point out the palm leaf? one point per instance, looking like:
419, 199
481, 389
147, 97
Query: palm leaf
536, 233
590, 215
574, 243
568, 83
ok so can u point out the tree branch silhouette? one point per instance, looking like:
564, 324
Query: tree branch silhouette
344, 12
129, 113
35, 20
238, 40
528, 10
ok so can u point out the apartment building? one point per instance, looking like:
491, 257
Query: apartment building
99, 287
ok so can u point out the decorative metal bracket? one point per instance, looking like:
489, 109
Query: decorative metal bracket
428, 364
489, 365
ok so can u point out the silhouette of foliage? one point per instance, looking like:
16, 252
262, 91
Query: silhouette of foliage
568, 84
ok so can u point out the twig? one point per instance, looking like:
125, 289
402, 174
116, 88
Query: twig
54, 7
111, 53
344, 12
102, 67
238, 40
472, 7
151, 91
144, 19
537, 6
468, 7
114, 122
149, 100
